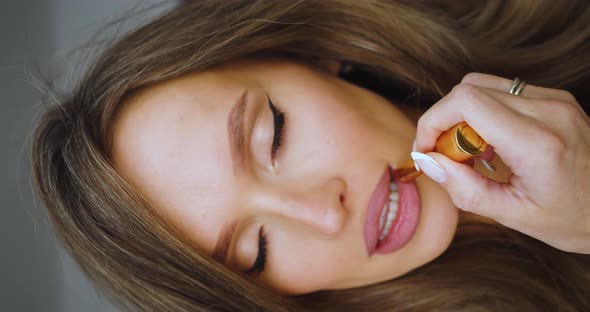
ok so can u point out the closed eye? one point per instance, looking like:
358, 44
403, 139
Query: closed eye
279, 122
260, 262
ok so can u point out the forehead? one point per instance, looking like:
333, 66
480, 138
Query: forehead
170, 141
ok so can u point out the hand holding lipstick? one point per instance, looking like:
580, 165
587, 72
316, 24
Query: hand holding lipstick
543, 136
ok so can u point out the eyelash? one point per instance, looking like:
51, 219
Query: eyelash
260, 262
279, 123
279, 128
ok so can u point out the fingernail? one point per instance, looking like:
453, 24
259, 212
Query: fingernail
414, 150
429, 166
487, 165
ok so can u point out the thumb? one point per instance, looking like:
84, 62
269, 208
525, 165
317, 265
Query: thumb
469, 189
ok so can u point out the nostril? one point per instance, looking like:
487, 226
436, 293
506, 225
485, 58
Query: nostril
342, 198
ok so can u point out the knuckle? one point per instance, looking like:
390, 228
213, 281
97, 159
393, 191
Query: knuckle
570, 115
472, 78
466, 90
566, 113
553, 146
565, 109
422, 122
567, 96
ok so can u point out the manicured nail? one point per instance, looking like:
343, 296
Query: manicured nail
414, 150
429, 166
487, 165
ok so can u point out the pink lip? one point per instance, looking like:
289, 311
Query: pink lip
378, 199
405, 223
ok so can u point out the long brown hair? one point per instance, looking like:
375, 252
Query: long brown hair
420, 48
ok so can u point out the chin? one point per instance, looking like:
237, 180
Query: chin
439, 219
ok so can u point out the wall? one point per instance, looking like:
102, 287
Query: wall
37, 38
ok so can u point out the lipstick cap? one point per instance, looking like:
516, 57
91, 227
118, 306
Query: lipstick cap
460, 143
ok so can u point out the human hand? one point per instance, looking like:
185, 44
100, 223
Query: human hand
543, 136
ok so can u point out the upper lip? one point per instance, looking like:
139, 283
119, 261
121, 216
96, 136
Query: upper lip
377, 201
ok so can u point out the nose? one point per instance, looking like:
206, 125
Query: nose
318, 206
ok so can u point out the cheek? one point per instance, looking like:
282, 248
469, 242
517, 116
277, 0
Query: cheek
305, 264
365, 121
439, 217
338, 128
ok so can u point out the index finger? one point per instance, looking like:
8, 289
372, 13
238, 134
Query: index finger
494, 121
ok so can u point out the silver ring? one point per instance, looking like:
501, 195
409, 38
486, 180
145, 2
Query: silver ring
517, 86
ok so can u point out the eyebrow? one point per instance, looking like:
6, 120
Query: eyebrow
223, 242
235, 132
236, 139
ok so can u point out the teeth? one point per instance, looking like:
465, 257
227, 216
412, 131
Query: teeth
385, 221
390, 217
383, 217
393, 206
394, 196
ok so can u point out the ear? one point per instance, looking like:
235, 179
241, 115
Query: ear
330, 66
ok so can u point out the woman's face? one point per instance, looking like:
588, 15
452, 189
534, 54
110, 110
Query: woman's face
283, 171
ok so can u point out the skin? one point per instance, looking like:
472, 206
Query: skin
171, 141
543, 137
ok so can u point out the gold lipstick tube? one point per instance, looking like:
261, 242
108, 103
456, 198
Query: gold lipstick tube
459, 143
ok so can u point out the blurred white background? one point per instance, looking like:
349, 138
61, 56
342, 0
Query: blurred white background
38, 36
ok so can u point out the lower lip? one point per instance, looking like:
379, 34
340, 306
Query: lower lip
405, 222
